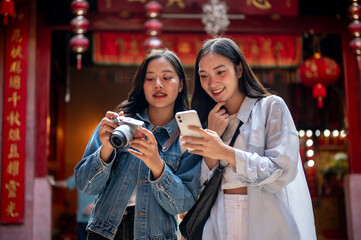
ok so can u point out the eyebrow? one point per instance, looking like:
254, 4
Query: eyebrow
165, 71
215, 68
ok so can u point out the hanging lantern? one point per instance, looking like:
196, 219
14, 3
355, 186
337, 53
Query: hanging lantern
153, 43
79, 7
79, 44
317, 72
354, 11
153, 27
6, 10
79, 25
153, 9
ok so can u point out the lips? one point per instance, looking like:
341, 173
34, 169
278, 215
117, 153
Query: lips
217, 92
159, 95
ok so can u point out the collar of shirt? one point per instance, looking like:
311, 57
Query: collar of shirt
169, 127
246, 109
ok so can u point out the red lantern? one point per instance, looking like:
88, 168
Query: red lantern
355, 28
318, 71
79, 44
153, 9
354, 11
79, 24
153, 27
7, 10
79, 7
153, 43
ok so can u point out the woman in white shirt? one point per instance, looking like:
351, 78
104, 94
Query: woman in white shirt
264, 193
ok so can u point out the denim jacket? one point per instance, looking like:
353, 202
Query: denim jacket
157, 201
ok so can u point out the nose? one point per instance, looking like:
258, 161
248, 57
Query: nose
212, 81
158, 83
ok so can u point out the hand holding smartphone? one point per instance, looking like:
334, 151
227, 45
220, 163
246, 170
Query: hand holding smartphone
188, 118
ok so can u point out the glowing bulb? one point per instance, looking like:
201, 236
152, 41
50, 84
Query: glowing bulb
309, 153
335, 133
301, 133
317, 133
326, 133
310, 163
343, 133
309, 133
309, 143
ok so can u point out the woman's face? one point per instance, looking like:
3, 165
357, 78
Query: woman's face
219, 78
161, 84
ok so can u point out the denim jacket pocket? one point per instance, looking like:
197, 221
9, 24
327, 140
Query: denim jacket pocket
172, 160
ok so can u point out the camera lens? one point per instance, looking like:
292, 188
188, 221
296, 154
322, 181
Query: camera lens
117, 139
121, 136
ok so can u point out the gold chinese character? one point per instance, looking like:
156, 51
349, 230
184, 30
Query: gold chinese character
13, 118
14, 98
14, 134
180, 3
15, 67
10, 210
16, 52
12, 186
15, 82
260, 4
13, 151
16, 37
267, 46
13, 168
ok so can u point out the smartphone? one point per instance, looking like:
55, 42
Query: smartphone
185, 119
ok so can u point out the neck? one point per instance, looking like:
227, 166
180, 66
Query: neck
233, 105
160, 117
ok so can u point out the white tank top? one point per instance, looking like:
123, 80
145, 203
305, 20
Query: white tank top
230, 178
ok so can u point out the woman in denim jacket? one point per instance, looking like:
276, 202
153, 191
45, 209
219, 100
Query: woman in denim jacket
264, 193
141, 187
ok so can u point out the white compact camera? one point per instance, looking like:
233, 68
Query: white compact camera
128, 129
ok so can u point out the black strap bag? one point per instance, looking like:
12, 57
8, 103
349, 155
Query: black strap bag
193, 223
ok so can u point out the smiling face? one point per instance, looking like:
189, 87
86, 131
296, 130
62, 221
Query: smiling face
219, 78
161, 85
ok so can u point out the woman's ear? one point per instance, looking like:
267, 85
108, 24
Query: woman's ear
180, 88
239, 70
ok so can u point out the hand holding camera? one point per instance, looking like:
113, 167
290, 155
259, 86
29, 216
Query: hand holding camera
128, 129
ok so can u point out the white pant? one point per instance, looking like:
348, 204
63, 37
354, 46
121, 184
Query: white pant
236, 216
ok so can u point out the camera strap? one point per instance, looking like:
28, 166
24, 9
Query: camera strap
171, 140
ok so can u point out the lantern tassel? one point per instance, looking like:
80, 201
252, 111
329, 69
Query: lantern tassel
78, 58
7, 9
320, 102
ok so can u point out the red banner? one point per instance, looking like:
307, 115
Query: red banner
247, 7
259, 50
14, 124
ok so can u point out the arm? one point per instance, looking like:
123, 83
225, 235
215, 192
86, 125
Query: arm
177, 191
92, 173
277, 166
273, 149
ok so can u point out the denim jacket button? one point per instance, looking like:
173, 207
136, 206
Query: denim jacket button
143, 180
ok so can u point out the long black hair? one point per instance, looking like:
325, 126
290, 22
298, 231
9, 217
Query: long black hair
248, 83
137, 102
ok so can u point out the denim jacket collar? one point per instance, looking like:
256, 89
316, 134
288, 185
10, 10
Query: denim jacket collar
171, 127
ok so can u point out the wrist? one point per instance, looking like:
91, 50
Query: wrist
158, 171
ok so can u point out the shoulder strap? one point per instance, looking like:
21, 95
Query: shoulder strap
235, 135
171, 139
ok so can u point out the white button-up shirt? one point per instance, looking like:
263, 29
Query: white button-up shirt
268, 161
